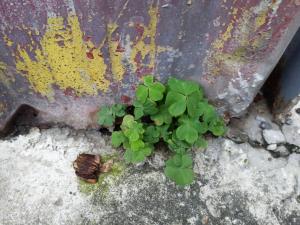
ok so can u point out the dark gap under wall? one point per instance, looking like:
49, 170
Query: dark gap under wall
283, 85
20, 123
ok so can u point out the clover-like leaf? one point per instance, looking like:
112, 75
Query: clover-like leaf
184, 87
209, 113
156, 91
131, 128
201, 142
187, 133
201, 127
106, 116
150, 107
136, 145
190, 128
192, 102
117, 138
162, 116
179, 169
164, 133
176, 103
150, 89
217, 127
128, 121
177, 145
141, 93
148, 80
118, 110
151, 134
146, 108
138, 112
138, 155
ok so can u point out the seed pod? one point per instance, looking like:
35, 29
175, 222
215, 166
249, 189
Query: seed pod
87, 167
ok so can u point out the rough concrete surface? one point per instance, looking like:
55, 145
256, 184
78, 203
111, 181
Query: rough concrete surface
292, 130
236, 184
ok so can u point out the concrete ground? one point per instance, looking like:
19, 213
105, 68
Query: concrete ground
239, 181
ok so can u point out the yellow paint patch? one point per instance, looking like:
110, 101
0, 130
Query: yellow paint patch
2, 66
62, 60
219, 43
261, 18
115, 56
239, 32
8, 42
6, 78
146, 47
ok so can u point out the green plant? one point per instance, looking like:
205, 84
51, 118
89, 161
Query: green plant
176, 114
107, 115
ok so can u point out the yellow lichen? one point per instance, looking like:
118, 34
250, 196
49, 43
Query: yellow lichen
62, 60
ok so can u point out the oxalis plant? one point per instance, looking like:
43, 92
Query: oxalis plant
176, 114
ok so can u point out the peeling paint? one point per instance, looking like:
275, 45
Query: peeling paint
240, 32
65, 60
2, 66
115, 53
219, 43
140, 50
8, 42
62, 61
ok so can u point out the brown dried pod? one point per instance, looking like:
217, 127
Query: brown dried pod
87, 167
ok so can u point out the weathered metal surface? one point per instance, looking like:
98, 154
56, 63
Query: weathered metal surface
67, 58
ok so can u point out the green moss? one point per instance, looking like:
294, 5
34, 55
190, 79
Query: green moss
105, 180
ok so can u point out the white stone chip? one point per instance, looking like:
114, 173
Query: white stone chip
273, 136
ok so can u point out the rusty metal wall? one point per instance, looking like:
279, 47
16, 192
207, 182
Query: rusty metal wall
67, 58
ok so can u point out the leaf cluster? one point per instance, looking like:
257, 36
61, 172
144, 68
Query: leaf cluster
107, 115
176, 114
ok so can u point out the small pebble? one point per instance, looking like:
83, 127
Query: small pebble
273, 136
272, 147
298, 198
288, 121
282, 150
58, 202
265, 125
